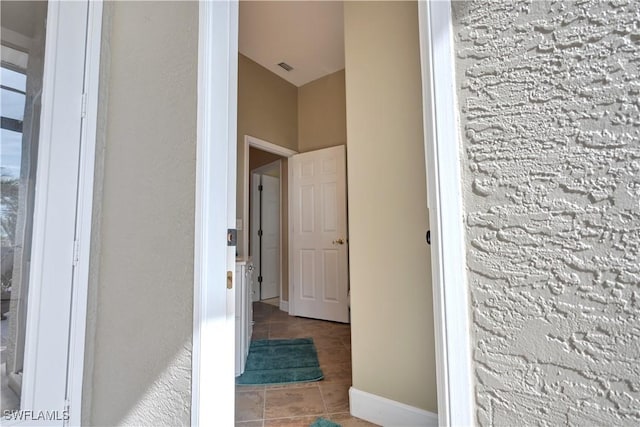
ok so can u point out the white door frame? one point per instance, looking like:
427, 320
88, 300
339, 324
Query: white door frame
444, 184
84, 211
212, 398
68, 124
213, 354
251, 141
259, 171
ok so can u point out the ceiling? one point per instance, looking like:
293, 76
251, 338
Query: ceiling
307, 35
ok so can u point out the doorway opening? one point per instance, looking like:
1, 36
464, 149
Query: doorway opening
452, 365
264, 158
265, 225
307, 115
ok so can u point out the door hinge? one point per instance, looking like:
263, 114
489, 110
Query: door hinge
76, 252
229, 280
83, 106
259, 279
260, 233
260, 187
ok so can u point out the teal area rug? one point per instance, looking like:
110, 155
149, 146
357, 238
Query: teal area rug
323, 422
281, 362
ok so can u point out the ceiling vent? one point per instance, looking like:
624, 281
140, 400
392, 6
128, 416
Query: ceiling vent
286, 66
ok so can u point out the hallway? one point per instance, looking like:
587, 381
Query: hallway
300, 404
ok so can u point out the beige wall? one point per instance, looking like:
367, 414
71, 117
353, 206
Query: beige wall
267, 109
267, 105
322, 118
391, 300
141, 290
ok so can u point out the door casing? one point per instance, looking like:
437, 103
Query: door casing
454, 376
219, 29
213, 351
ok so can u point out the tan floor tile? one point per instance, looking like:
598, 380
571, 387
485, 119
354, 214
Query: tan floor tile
343, 330
293, 385
260, 316
336, 397
310, 322
346, 420
260, 327
241, 387
279, 315
288, 335
249, 405
337, 373
325, 330
285, 330
291, 422
328, 343
333, 356
262, 312
296, 402
344, 334
250, 423
260, 334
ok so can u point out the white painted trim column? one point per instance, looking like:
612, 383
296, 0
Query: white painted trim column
56, 318
213, 358
84, 212
444, 182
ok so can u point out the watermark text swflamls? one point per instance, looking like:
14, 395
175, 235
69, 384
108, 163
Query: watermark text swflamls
29, 415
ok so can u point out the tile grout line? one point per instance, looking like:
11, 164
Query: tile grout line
299, 416
264, 406
264, 402
324, 404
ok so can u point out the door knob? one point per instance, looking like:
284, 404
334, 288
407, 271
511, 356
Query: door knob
339, 242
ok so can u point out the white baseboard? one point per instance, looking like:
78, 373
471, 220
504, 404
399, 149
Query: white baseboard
386, 412
284, 305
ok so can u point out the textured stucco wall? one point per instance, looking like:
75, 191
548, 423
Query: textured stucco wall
550, 120
140, 319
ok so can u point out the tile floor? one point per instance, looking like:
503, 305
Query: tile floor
300, 404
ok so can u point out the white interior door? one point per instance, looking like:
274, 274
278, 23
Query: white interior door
318, 235
270, 253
